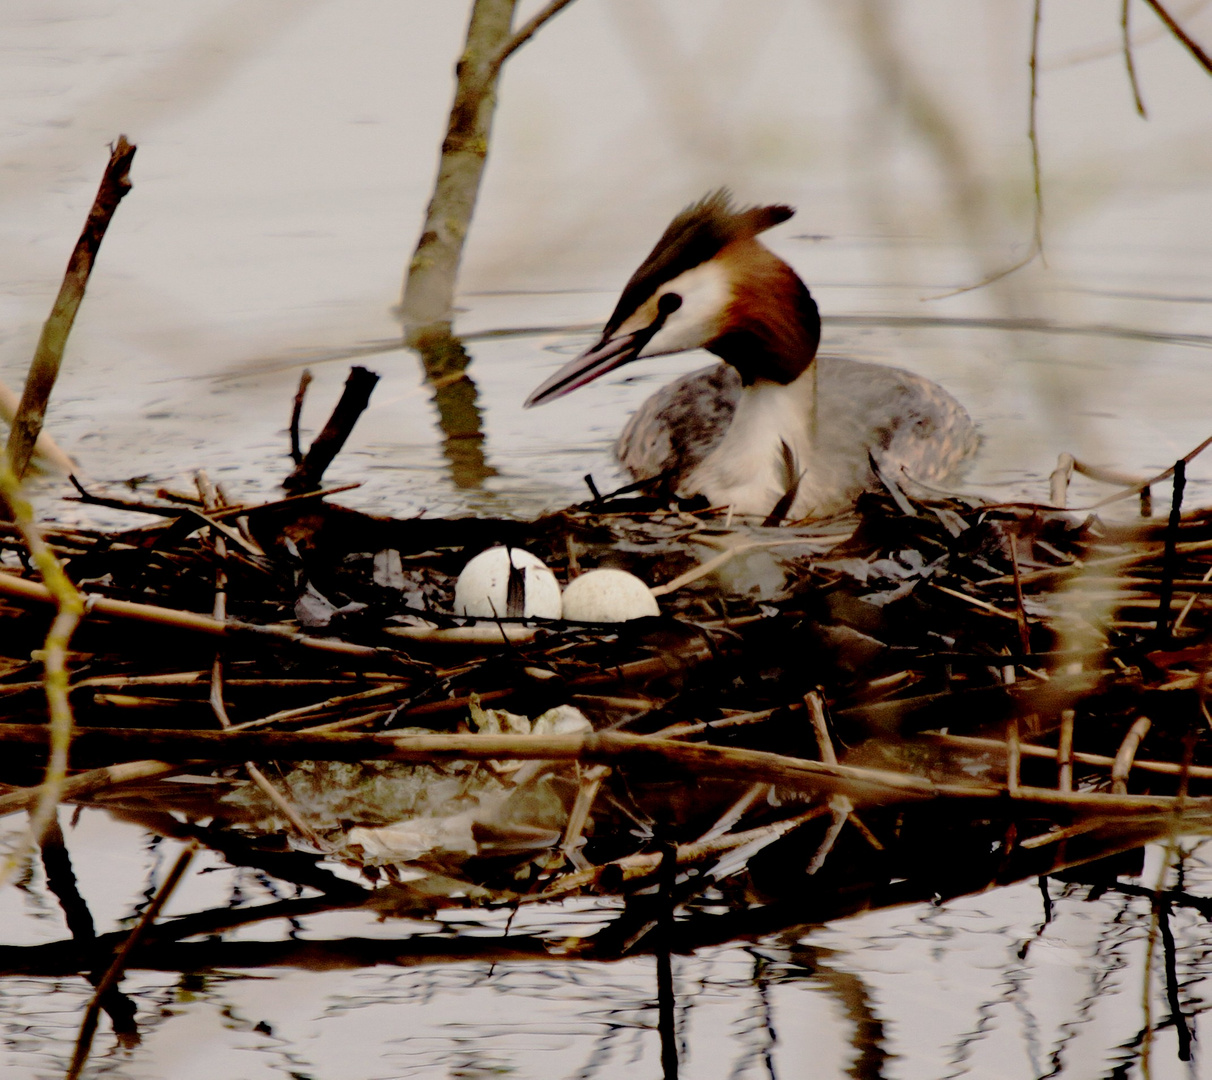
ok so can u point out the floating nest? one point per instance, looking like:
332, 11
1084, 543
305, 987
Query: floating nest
917, 701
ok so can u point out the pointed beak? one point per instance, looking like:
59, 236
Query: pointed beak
606, 355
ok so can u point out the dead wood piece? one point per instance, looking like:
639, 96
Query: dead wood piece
48, 355
354, 399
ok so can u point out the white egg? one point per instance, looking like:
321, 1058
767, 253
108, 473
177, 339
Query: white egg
483, 587
608, 596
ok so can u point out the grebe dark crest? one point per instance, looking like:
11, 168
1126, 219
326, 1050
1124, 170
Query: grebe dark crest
773, 418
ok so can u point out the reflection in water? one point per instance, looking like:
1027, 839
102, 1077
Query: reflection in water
454, 393
960, 988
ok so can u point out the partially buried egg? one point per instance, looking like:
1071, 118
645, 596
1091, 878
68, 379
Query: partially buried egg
608, 596
507, 582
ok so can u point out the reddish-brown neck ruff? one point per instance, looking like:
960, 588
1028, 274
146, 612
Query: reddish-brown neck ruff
772, 327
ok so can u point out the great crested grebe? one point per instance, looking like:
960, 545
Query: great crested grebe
769, 420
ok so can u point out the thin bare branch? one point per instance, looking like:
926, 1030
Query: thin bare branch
48, 355
1124, 16
1033, 130
1205, 61
296, 414
524, 33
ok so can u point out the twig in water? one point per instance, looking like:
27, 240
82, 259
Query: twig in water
354, 399
109, 980
296, 413
48, 355
666, 1002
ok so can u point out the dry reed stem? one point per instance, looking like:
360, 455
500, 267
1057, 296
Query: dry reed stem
1126, 754
973, 742
645, 864
984, 605
574, 828
735, 812
717, 561
861, 785
488, 632
23, 589
1093, 567
211, 501
329, 704
92, 782
681, 730
69, 610
1064, 751
1020, 612
1014, 755
816, 712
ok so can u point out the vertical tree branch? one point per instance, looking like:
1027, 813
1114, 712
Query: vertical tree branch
428, 297
49, 354
429, 288
1033, 129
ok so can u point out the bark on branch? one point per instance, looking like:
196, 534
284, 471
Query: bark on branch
428, 298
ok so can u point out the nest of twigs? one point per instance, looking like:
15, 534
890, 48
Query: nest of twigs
877, 709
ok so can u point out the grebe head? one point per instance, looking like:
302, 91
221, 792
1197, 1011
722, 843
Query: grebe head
707, 284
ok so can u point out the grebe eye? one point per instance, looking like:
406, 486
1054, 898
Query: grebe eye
669, 303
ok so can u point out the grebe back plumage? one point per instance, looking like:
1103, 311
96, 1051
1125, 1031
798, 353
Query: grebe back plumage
773, 416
